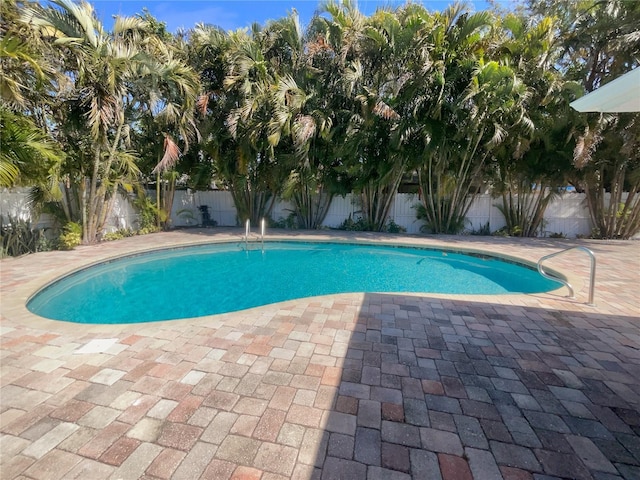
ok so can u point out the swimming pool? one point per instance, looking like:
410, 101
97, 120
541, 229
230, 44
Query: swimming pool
218, 278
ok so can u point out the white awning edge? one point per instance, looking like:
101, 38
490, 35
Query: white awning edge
619, 95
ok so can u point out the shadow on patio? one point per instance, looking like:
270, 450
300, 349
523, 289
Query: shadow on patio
348, 386
456, 390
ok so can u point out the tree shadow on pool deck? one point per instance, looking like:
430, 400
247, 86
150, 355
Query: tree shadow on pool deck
452, 389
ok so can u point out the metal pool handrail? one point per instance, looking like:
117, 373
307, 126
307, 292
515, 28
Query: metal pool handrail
592, 275
247, 231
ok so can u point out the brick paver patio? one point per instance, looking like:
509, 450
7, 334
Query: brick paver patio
351, 386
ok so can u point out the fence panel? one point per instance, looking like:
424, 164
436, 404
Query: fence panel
403, 212
13, 203
122, 216
567, 214
341, 208
281, 210
221, 206
184, 211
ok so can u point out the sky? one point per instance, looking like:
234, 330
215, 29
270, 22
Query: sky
233, 14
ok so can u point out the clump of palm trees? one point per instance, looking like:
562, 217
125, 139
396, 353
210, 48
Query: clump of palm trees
466, 102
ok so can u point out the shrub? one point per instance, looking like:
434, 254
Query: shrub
393, 227
351, 225
149, 229
71, 236
148, 214
505, 232
18, 237
290, 223
484, 230
361, 225
118, 234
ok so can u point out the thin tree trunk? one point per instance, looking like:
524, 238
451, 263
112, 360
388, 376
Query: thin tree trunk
89, 208
158, 198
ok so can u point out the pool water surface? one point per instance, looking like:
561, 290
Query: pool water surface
218, 278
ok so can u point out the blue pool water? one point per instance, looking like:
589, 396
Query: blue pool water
211, 279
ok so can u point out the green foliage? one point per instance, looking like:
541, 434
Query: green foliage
118, 234
484, 230
28, 156
71, 236
115, 83
362, 225
393, 227
127, 232
599, 41
289, 223
359, 225
147, 230
433, 223
148, 213
19, 237
465, 99
612, 169
502, 232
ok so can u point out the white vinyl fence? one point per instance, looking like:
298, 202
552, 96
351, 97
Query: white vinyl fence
14, 203
567, 215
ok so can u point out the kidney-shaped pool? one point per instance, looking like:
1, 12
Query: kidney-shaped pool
217, 278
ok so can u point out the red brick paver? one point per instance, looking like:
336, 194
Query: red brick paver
368, 386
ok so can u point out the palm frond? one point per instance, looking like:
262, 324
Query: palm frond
169, 158
9, 172
304, 128
73, 23
202, 103
383, 110
127, 167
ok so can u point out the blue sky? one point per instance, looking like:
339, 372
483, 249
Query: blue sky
233, 14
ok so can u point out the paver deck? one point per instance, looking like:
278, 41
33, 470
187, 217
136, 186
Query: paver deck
350, 386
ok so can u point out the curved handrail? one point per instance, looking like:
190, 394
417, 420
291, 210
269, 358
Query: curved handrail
592, 275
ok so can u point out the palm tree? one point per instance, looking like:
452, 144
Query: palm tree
600, 41
371, 54
29, 154
451, 123
531, 166
170, 116
241, 133
471, 101
304, 117
111, 75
